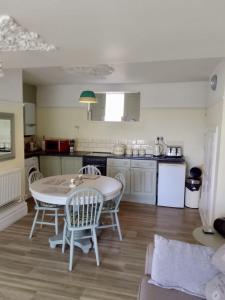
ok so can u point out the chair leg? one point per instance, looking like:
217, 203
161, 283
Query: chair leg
34, 223
56, 222
113, 221
94, 237
64, 238
71, 251
42, 218
118, 226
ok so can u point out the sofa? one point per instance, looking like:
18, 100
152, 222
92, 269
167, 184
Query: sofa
149, 291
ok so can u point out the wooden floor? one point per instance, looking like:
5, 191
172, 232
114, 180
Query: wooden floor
29, 269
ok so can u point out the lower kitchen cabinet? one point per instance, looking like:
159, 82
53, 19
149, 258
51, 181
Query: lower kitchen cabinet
56, 165
143, 180
143, 184
112, 171
50, 165
71, 165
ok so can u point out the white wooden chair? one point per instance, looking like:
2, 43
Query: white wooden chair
111, 207
90, 169
43, 207
83, 210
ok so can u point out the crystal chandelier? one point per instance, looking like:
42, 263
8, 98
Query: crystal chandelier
13, 37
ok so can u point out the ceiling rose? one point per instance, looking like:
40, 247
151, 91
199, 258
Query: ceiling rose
13, 37
100, 71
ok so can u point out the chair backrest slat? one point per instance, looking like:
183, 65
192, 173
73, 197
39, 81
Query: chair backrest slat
34, 176
120, 177
83, 208
90, 169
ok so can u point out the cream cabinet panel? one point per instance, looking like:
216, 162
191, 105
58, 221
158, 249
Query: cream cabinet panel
71, 165
50, 165
136, 181
149, 182
143, 184
113, 170
117, 162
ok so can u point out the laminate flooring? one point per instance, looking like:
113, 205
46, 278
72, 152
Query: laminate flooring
30, 269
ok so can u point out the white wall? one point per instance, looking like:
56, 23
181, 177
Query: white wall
11, 89
183, 94
215, 116
173, 110
11, 102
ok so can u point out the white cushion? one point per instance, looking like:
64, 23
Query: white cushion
218, 259
215, 289
182, 266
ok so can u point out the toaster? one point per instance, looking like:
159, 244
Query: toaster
174, 151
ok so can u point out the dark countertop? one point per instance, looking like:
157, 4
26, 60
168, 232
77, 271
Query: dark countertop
107, 155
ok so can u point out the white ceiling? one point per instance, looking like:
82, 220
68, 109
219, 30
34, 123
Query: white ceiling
149, 72
141, 39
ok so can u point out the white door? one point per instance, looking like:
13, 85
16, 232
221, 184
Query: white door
206, 205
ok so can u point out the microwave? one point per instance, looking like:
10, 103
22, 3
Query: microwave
57, 145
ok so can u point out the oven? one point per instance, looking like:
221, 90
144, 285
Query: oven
98, 162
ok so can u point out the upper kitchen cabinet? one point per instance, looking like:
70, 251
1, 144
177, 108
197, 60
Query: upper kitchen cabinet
29, 99
29, 119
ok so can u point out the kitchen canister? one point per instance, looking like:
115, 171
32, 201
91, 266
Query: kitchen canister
129, 150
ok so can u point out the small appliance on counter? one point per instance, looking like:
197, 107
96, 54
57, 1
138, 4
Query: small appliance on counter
57, 145
118, 149
174, 151
72, 146
158, 148
129, 150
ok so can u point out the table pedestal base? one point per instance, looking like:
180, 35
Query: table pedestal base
84, 244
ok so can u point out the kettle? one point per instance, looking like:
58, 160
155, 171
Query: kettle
158, 150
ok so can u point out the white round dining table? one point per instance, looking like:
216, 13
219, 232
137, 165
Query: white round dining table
57, 189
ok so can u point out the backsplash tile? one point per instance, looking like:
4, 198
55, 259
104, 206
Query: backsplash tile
106, 145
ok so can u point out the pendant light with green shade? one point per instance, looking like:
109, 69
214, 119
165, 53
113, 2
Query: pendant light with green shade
87, 97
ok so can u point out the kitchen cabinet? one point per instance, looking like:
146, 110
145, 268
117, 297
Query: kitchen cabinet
50, 165
115, 166
71, 165
29, 119
143, 180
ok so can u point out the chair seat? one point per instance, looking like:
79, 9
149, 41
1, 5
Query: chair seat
48, 205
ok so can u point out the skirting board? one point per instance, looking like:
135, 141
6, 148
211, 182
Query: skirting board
12, 213
139, 199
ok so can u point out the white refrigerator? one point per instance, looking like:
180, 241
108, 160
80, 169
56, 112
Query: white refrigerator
171, 184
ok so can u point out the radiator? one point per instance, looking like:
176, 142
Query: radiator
10, 186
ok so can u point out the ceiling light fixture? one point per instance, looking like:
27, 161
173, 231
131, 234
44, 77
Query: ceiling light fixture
88, 97
92, 71
13, 37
